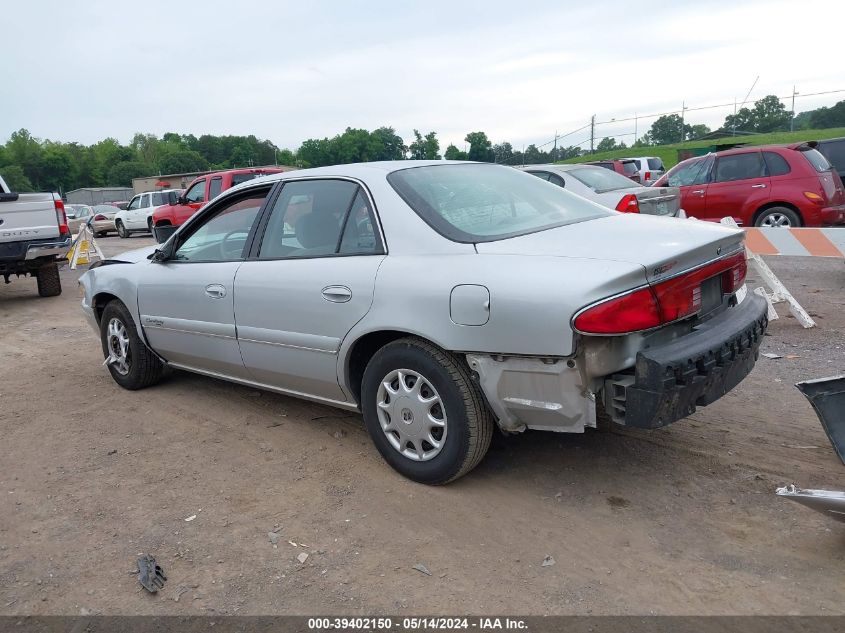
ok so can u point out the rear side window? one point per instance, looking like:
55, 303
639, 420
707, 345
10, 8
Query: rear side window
630, 168
655, 164
776, 164
542, 175
739, 167
816, 159
215, 187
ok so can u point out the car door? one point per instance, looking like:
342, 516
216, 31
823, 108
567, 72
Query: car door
131, 209
308, 281
196, 195
186, 301
138, 216
739, 186
693, 181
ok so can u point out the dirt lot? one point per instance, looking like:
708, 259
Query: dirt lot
677, 521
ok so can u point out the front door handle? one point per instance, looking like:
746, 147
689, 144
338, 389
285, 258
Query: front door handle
337, 294
215, 291
760, 186
701, 191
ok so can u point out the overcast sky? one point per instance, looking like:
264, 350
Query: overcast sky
287, 71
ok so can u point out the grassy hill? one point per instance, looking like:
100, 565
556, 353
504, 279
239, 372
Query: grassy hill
669, 153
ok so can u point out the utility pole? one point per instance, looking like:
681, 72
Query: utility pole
554, 149
792, 118
635, 128
523, 154
683, 111
592, 132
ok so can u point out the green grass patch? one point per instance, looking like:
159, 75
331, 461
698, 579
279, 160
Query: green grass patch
669, 153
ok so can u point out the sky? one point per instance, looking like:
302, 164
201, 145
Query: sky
287, 71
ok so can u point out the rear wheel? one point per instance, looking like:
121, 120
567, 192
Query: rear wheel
424, 413
778, 217
150, 224
131, 364
49, 282
121, 230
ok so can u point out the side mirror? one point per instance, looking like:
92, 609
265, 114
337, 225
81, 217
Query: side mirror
181, 200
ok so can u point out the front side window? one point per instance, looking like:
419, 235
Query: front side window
318, 218
739, 167
222, 235
161, 197
601, 180
482, 203
134, 204
196, 193
691, 173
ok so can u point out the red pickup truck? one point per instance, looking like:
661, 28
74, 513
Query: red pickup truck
202, 189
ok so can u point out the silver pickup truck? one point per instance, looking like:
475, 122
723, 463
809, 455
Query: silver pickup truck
34, 238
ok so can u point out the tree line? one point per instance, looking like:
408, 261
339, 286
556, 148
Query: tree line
31, 164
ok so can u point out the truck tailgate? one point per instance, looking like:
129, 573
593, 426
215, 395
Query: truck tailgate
31, 216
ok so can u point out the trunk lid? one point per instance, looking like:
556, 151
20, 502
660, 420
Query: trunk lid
663, 246
29, 216
659, 200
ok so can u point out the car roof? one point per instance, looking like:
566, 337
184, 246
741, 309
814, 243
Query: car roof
562, 167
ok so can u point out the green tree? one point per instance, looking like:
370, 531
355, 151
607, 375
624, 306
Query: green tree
181, 161
121, 174
827, 117
16, 179
453, 153
480, 147
767, 115
58, 170
24, 150
697, 131
387, 145
503, 153
607, 144
669, 128
424, 147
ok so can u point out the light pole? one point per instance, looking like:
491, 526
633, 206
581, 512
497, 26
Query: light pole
792, 118
683, 111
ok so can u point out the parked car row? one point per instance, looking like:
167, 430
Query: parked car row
644, 170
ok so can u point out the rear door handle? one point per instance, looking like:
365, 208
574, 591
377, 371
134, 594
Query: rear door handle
337, 294
215, 291
760, 186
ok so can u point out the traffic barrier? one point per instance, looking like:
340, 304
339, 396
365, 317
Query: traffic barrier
800, 242
84, 248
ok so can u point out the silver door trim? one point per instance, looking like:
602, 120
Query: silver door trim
308, 349
189, 326
340, 404
295, 340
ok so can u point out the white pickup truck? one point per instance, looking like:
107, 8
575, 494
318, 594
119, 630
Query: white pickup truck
34, 237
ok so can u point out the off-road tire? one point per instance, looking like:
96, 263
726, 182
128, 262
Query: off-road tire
145, 369
470, 424
121, 230
49, 282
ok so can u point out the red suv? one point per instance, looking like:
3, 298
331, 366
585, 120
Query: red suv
626, 167
769, 185
200, 191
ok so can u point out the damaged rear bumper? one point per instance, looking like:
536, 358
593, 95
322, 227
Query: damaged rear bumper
669, 381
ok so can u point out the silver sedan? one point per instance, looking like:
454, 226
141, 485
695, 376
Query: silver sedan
611, 190
441, 299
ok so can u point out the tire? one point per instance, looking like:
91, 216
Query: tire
49, 282
121, 230
429, 372
135, 367
150, 225
778, 216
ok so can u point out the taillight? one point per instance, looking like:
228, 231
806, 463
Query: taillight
813, 197
61, 218
100, 217
648, 175
661, 303
628, 204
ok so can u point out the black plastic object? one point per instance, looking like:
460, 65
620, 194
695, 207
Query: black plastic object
150, 575
827, 395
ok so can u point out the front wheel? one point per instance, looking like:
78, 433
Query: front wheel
131, 364
121, 230
778, 217
424, 413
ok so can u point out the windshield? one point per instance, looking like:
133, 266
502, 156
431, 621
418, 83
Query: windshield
483, 203
239, 178
601, 180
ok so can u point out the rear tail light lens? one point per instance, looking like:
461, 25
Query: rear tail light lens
100, 217
661, 303
628, 204
814, 197
648, 175
61, 218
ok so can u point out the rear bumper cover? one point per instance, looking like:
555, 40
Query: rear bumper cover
833, 215
24, 256
671, 380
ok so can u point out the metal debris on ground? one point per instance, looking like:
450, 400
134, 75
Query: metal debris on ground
302, 557
179, 591
830, 503
548, 561
150, 574
191, 518
422, 569
827, 395
770, 355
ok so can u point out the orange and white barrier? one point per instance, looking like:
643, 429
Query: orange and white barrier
801, 242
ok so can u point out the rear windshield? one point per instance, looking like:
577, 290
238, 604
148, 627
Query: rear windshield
630, 167
482, 203
816, 159
601, 180
239, 178
655, 164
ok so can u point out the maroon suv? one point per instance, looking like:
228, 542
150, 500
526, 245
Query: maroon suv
626, 167
769, 185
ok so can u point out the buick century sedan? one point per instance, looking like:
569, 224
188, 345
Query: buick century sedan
442, 300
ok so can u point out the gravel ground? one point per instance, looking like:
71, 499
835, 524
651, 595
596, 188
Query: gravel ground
682, 520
